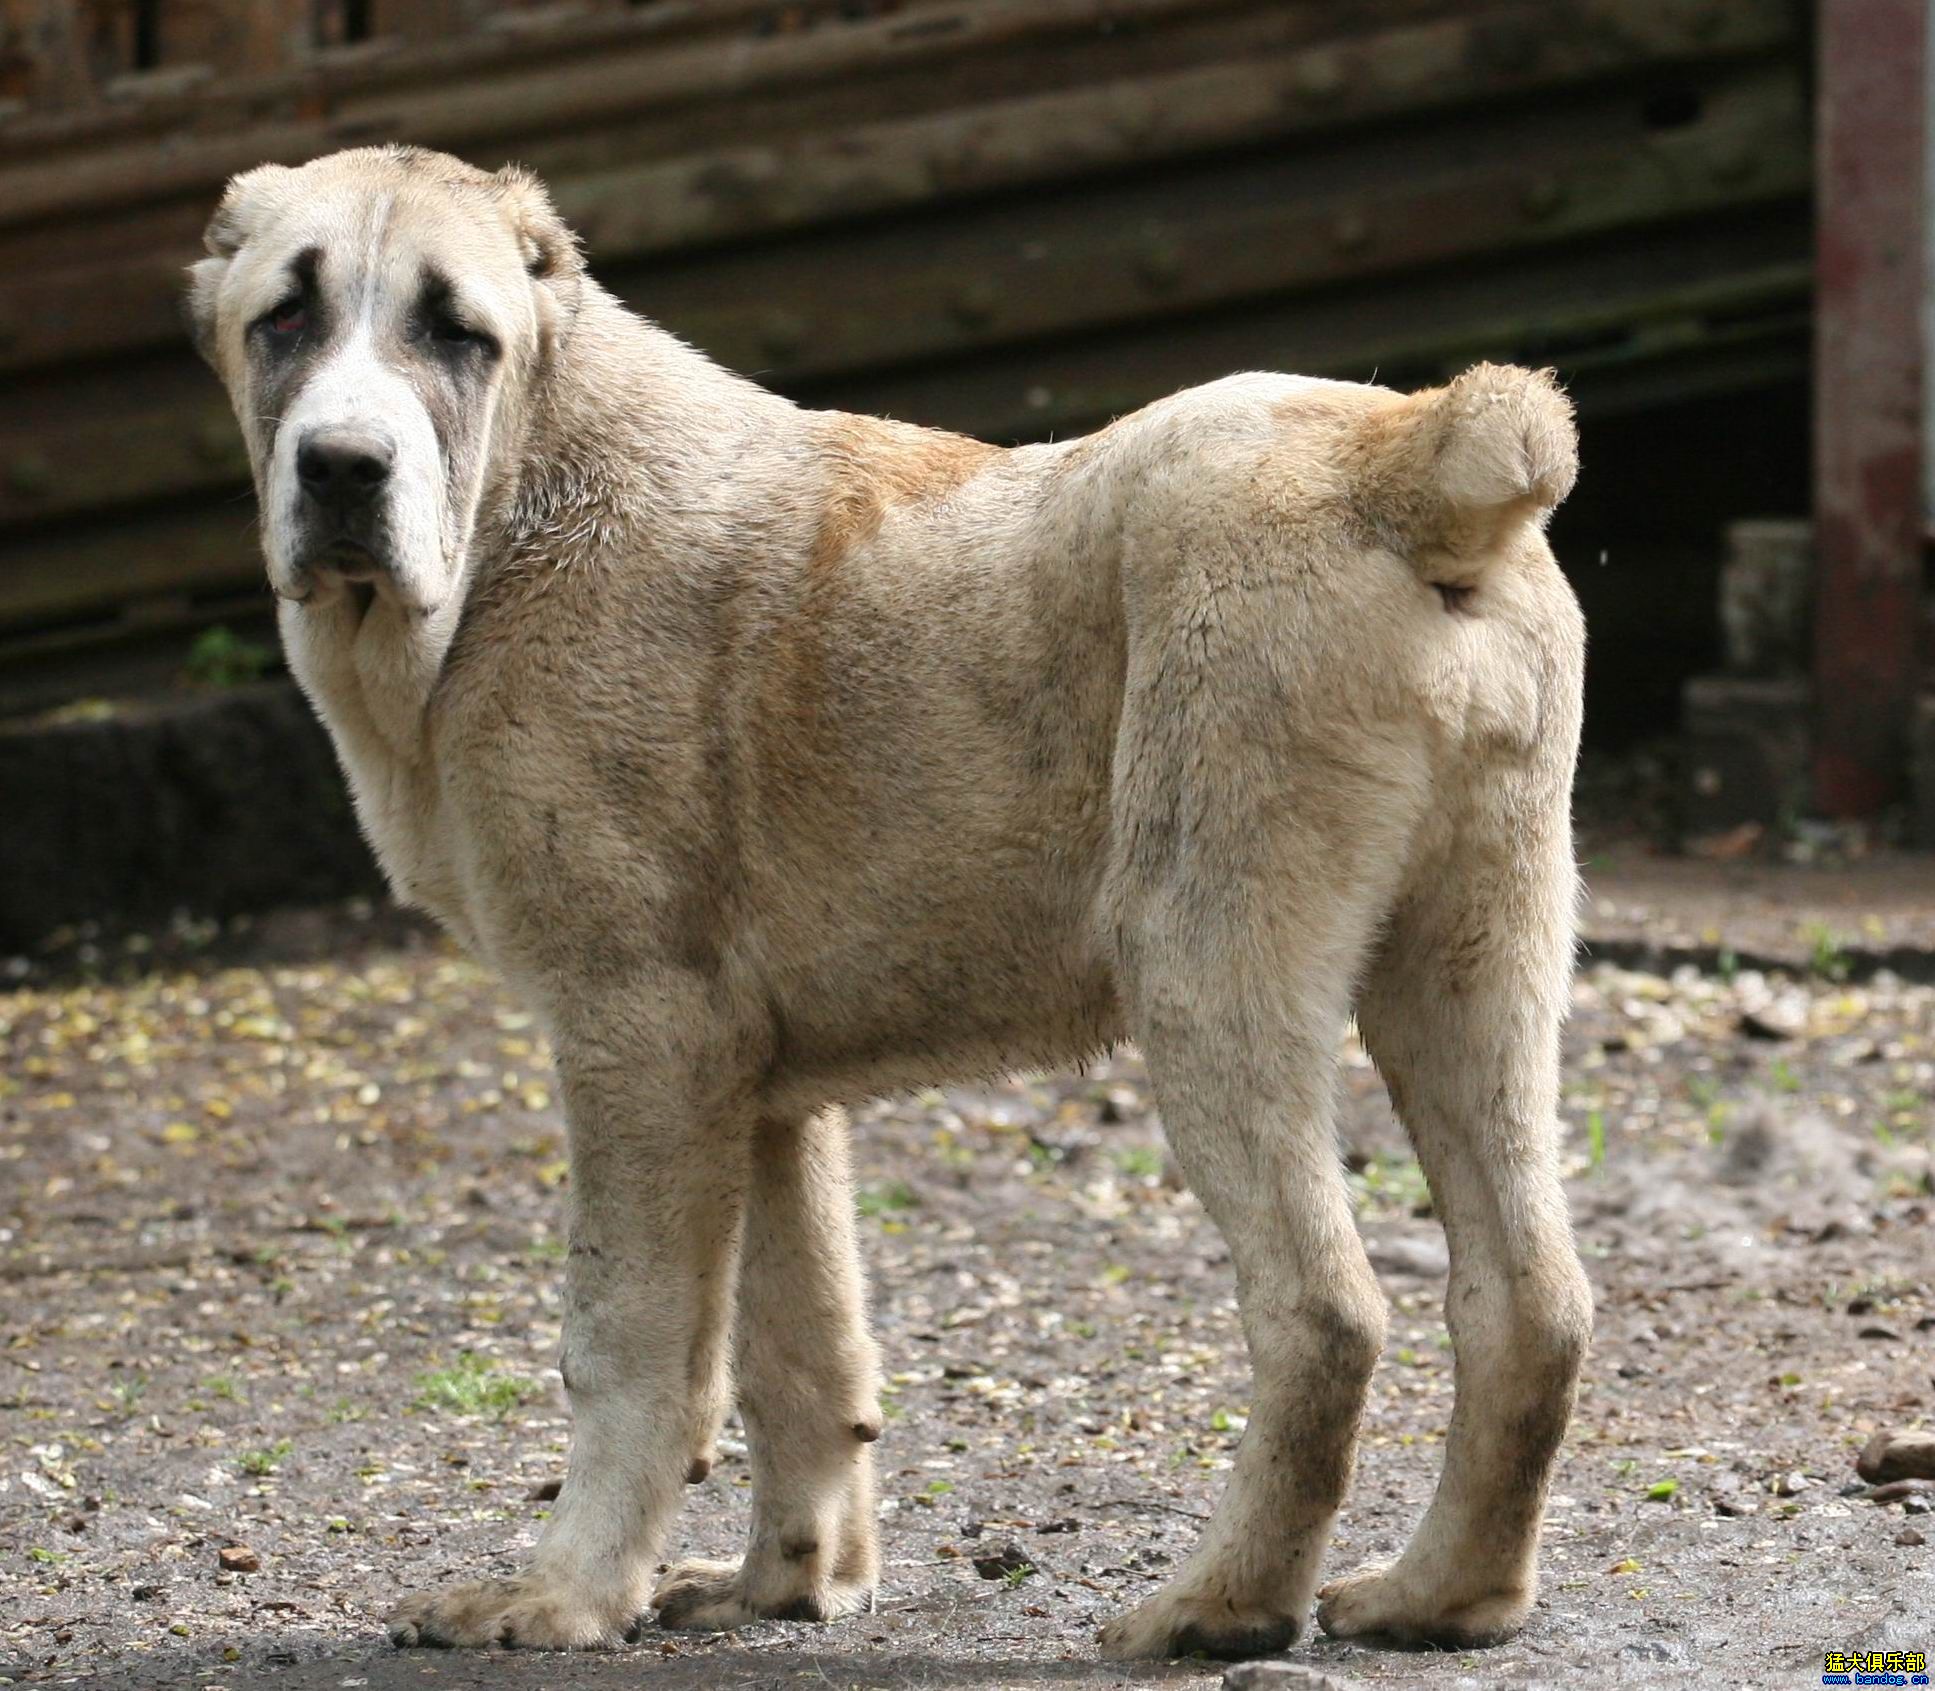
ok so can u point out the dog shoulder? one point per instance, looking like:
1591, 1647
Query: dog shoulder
873, 466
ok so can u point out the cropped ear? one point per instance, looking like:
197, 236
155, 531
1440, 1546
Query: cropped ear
227, 232
551, 251
246, 196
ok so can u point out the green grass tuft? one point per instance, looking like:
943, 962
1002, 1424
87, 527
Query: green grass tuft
472, 1386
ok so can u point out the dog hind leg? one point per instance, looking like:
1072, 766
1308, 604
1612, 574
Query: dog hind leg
1244, 912
1462, 1014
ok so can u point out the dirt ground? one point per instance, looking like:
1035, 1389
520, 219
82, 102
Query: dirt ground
279, 1242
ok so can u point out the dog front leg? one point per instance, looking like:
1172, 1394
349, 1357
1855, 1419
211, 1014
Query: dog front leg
809, 1388
658, 1163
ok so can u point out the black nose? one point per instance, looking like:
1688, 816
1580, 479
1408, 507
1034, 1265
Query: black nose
343, 468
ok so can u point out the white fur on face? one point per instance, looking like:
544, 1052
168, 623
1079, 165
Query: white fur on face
354, 388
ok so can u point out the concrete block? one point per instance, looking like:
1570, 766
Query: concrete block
1921, 773
1767, 595
212, 803
1746, 741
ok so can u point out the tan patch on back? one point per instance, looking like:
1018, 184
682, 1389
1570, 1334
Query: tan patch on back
875, 465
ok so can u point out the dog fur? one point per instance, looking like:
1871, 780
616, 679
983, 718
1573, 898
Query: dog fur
780, 758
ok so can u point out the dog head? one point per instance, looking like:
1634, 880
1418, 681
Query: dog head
380, 318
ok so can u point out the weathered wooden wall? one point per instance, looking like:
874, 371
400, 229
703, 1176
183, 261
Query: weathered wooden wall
1015, 217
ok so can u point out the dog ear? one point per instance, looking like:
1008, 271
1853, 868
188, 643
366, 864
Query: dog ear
551, 251
227, 232
241, 201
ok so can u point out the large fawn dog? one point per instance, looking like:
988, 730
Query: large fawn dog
781, 757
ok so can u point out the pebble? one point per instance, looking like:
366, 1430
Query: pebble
1653, 1650
1897, 1456
1909, 1538
239, 1559
1000, 1563
1421, 1259
1281, 1676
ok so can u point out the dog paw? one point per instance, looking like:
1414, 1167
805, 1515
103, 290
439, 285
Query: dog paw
1380, 1602
1174, 1623
519, 1614
700, 1596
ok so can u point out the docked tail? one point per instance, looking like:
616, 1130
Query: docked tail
1452, 473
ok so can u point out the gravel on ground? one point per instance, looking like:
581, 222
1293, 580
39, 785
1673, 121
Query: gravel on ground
279, 1246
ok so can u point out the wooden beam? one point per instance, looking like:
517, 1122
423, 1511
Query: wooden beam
1737, 307
1135, 254
1872, 241
1129, 246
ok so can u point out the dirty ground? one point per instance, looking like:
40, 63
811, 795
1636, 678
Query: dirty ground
279, 1244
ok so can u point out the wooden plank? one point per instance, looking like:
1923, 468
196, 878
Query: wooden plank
770, 185
239, 38
1599, 311
488, 89
783, 172
42, 57
1571, 307
66, 573
1145, 249
1130, 252
679, 97
1746, 143
115, 434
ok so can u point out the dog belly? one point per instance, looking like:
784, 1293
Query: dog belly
906, 993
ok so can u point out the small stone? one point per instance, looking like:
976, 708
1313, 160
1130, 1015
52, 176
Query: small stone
1897, 1456
1759, 1027
1908, 1538
1007, 1560
1791, 1485
1877, 1331
1419, 1259
239, 1559
1653, 1650
1281, 1676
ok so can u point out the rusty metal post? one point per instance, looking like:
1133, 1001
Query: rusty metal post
1869, 356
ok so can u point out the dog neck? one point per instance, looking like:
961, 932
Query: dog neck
369, 667
633, 438
622, 446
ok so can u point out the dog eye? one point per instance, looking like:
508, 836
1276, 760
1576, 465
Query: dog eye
289, 318
453, 332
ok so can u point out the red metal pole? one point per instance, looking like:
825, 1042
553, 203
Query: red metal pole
1869, 250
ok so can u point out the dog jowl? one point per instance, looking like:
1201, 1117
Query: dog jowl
782, 758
